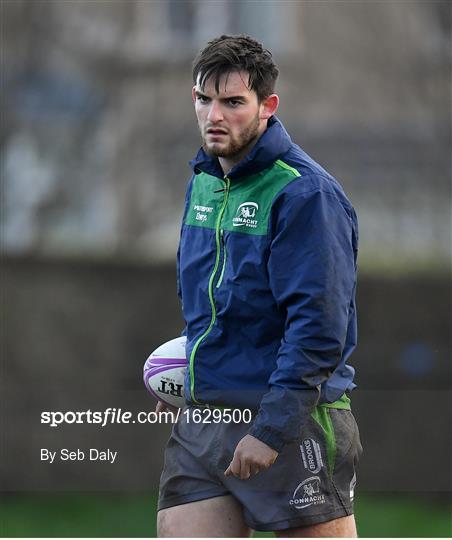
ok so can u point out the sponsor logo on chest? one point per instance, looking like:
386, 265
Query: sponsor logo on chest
202, 212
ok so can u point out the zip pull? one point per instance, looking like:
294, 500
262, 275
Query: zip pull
222, 190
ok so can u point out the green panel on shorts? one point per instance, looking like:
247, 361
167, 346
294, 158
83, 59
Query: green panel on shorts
344, 402
249, 201
322, 416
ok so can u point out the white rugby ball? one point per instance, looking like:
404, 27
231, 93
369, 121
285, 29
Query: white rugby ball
164, 372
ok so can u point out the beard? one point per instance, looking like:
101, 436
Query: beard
237, 144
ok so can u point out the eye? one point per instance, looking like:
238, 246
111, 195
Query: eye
202, 99
234, 102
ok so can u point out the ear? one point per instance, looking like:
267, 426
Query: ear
269, 106
193, 94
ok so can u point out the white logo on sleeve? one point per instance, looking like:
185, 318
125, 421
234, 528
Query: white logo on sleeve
245, 215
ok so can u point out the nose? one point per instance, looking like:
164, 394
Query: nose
215, 113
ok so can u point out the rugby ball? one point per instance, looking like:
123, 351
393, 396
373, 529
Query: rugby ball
164, 372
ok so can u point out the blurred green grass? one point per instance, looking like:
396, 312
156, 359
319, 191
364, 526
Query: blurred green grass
100, 515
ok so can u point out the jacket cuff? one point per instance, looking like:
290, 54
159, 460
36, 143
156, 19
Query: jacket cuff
268, 436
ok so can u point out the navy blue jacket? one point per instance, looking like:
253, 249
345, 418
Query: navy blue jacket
267, 277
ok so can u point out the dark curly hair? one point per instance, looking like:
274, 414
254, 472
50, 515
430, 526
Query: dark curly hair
236, 53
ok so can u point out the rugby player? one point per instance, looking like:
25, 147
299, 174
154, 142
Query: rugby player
266, 275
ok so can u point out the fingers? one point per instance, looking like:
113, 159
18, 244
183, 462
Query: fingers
254, 469
250, 457
234, 467
244, 469
162, 407
243, 472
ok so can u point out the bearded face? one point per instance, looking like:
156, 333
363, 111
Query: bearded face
229, 121
230, 144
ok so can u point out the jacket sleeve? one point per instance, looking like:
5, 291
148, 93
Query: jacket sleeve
312, 273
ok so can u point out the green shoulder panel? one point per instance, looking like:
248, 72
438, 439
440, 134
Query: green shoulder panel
206, 201
249, 202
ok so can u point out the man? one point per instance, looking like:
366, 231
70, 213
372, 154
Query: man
266, 275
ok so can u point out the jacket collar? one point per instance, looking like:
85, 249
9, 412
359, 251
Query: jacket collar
271, 145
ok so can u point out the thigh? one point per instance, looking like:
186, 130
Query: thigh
216, 517
343, 527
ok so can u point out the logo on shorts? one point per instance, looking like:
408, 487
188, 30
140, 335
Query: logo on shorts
307, 494
311, 455
245, 215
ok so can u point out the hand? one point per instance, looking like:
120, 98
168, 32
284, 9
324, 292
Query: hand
162, 407
250, 456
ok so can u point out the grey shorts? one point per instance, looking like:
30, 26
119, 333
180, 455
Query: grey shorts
311, 481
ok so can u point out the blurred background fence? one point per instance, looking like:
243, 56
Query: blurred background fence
97, 129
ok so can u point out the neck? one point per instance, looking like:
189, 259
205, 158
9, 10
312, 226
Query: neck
227, 163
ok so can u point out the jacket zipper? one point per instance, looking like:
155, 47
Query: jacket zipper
223, 246
210, 289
